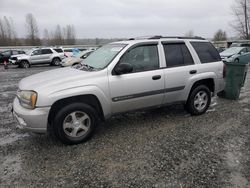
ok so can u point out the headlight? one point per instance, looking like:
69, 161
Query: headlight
27, 98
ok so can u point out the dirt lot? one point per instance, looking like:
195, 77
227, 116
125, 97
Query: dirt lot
160, 148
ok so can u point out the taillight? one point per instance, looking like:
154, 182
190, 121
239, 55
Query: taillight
65, 55
224, 70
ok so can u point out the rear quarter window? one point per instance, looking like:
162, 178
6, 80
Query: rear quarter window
58, 50
68, 50
46, 51
206, 52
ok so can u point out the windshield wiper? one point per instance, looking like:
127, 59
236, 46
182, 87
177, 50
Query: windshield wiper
82, 66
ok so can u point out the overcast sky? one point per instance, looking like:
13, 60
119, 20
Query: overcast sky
123, 18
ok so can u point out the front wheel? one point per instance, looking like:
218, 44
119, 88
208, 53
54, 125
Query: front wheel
199, 100
24, 64
236, 60
75, 123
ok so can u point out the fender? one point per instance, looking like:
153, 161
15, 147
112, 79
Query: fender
51, 98
198, 77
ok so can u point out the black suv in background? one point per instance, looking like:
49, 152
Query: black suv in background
5, 55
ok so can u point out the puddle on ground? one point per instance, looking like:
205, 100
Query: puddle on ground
11, 138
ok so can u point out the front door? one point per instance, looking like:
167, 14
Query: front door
35, 57
144, 86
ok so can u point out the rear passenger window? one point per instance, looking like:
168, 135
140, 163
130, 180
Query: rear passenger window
58, 50
206, 52
46, 51
14, 52
177, 54
142, 58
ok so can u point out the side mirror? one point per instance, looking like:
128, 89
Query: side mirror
123, 68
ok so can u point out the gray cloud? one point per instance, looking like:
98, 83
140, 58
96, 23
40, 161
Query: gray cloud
123, 18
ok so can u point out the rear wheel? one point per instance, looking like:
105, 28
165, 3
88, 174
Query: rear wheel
56, 61
24, 64
199, 100
75, 123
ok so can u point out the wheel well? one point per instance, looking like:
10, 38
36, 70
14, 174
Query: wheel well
91, 100
56, 58
207, 82
24, 60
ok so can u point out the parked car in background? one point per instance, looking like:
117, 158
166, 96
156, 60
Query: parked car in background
69, 61
68, 52
60, 52
5, 55
241, 44
233, 51
243, 58
117, 78
36, 56
220, 49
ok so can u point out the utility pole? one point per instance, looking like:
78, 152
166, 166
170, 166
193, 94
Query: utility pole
246, 19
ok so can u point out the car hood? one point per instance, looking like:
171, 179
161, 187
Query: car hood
18, 55
58, 79
226, 54
71, 59
22, 56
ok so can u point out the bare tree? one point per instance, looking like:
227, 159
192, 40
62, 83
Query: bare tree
7, 32
70, 34
241, 24
58, 36
32, 30
220, 35
46, 37
190, 33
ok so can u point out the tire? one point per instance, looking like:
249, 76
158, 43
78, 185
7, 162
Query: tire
236, 60
56, 61
75, 64
199, 100
68, 127
24, 64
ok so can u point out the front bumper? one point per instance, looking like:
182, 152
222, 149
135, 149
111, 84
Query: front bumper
13, 62
35, 120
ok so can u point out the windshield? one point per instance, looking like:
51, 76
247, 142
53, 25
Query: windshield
79, 55
100, 58
28, 52
233, 50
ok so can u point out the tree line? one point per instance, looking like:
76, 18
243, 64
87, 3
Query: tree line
65, 35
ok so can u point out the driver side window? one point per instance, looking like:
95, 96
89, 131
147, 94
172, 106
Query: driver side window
142, 58
36, 52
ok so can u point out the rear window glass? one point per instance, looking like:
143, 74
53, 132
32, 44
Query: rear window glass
177, 55
46, 51
58, 50
206, 52
68, 50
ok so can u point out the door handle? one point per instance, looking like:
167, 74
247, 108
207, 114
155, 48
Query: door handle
193, 72
157, 77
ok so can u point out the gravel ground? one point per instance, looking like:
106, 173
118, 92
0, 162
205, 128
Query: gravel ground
159, 148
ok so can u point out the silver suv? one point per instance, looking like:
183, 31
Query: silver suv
120, 77
37, 56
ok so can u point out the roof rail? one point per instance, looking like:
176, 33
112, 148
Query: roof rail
176, 37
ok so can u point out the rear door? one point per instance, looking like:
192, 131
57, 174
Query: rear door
45, 55
179, 68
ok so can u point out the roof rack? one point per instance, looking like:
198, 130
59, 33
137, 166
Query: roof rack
176, 37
